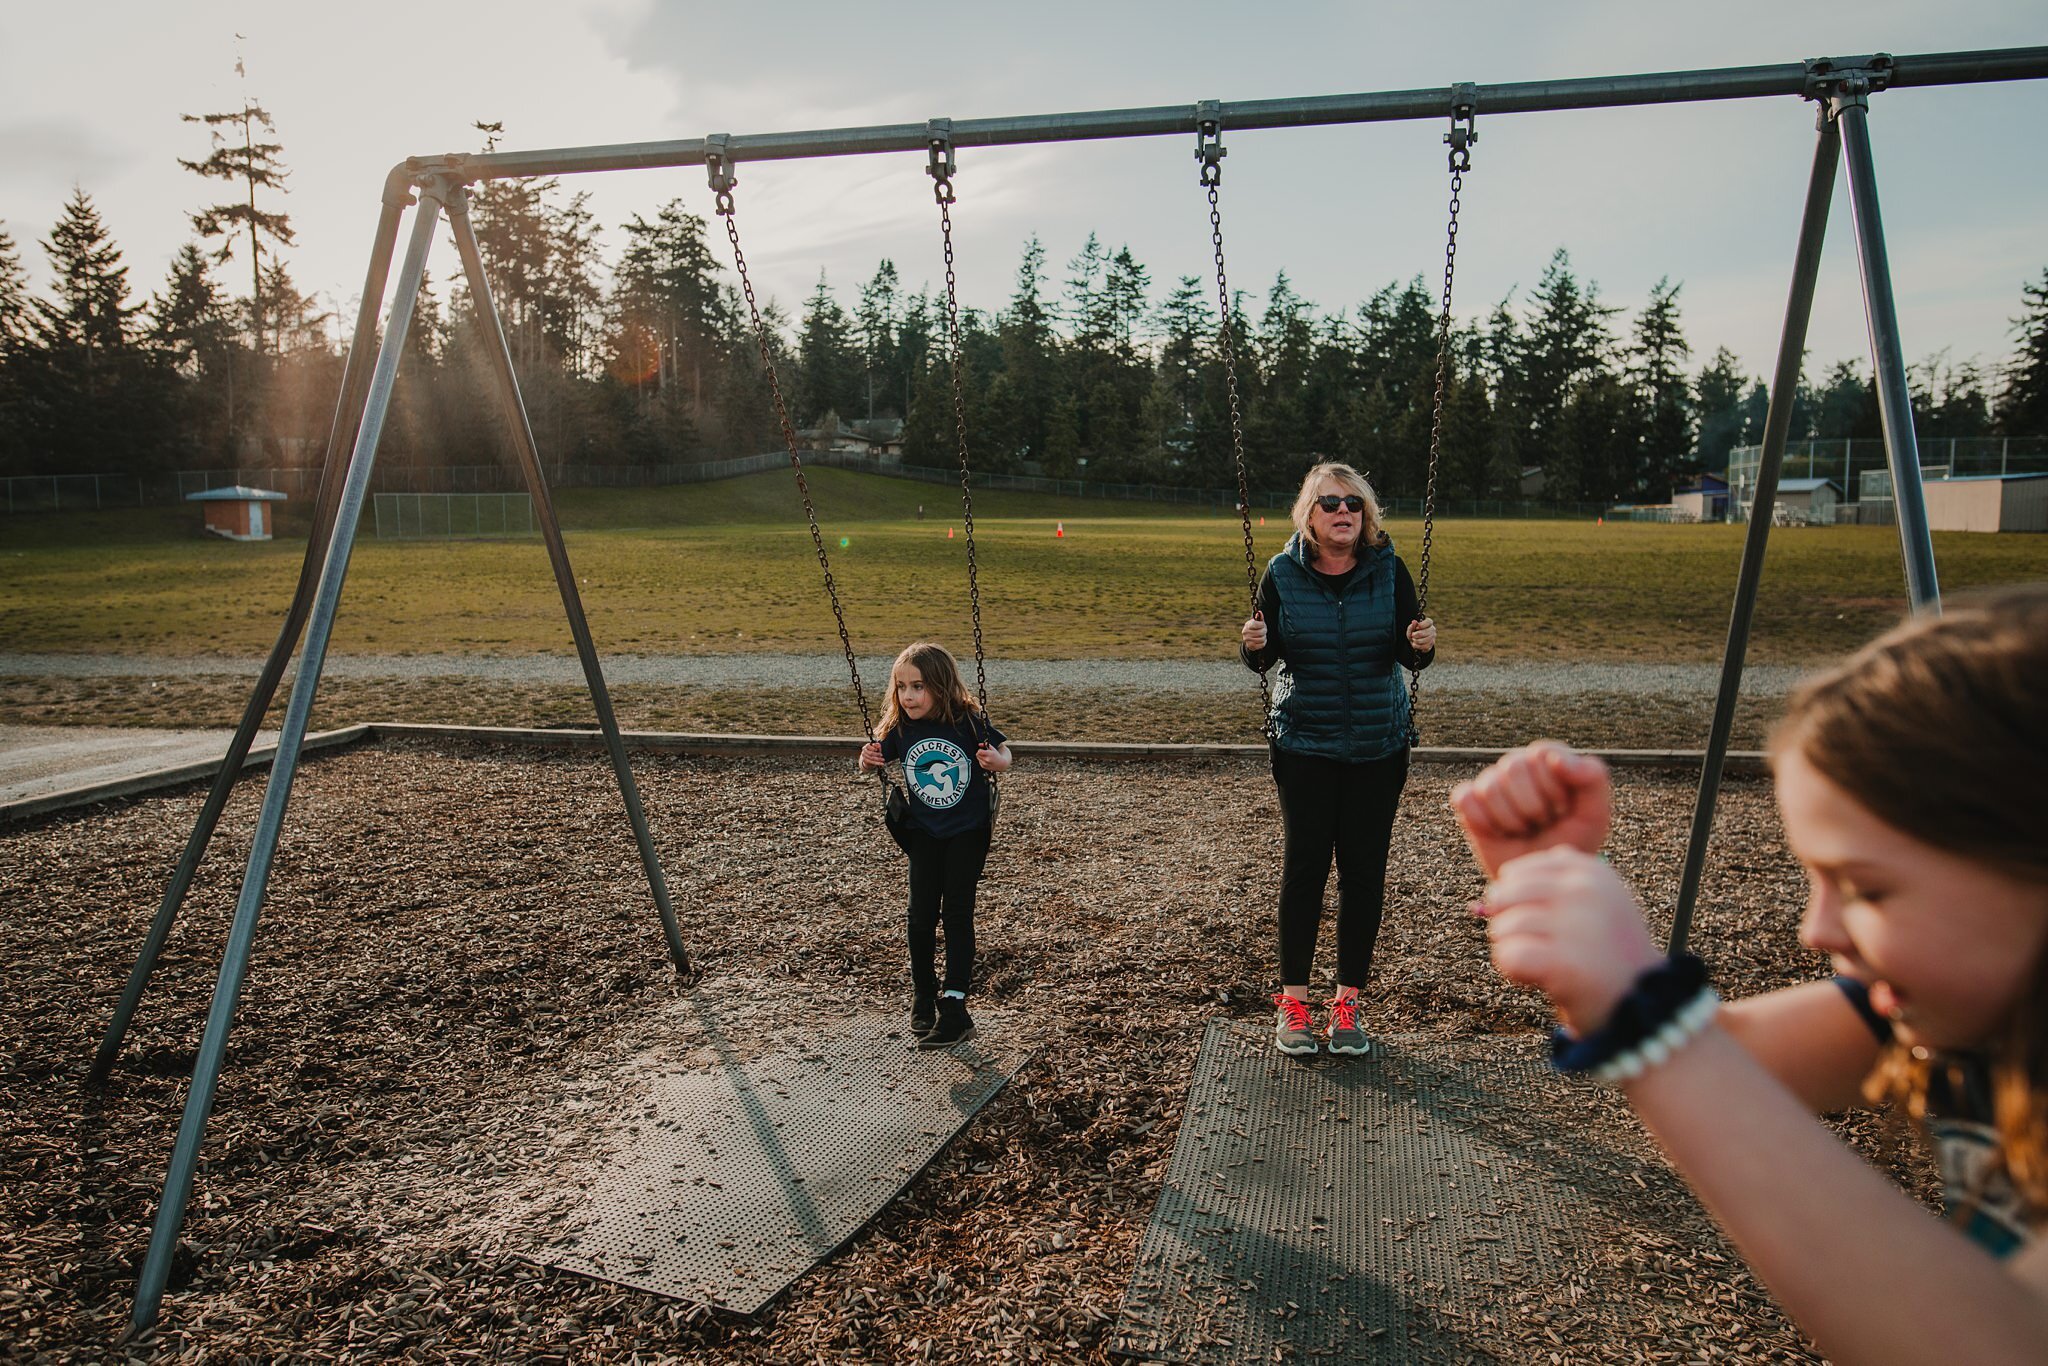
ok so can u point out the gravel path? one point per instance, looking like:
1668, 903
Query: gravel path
809, 671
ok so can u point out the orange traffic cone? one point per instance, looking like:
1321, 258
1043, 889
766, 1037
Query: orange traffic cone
1059, 528
949, 533
1262, 521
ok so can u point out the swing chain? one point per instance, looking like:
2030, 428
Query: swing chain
941, 170
1210, 150
1463, 133
721, 173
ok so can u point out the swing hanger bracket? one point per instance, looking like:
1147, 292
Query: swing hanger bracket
1464, 130
1836, 85
718, 170
940, 164
1209, 148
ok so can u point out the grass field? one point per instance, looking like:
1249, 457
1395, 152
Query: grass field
728, 568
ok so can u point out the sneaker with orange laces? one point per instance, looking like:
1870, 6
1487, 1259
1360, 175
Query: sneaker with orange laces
1292, 1030
1344, 1034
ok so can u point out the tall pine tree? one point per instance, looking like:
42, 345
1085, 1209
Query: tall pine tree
242, 157
2023, 400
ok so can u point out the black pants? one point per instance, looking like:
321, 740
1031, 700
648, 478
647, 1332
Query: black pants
1348, 809
943, 873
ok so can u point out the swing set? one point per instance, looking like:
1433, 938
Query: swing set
438, 185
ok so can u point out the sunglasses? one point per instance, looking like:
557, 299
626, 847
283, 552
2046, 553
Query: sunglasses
1350, 502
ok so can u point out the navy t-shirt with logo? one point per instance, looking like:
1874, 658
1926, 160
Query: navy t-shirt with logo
948, 790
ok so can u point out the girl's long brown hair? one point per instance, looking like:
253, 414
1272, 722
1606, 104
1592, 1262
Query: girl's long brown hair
1939, 729
952, 703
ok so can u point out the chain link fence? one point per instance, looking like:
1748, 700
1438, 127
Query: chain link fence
83, 492
451, 516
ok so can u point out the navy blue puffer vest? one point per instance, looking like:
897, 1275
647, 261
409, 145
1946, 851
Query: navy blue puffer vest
1339, 692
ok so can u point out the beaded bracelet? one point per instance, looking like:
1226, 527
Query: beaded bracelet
1668, 1005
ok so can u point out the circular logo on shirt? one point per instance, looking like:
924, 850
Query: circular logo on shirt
937, 772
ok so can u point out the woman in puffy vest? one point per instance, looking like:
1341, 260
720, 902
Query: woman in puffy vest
1338, 614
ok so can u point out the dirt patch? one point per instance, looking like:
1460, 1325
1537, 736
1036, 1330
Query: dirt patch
457, 945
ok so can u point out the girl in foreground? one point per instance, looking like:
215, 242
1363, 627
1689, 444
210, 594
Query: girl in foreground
1913, 782
933, 726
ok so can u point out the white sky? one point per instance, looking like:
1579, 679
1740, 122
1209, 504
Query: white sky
1708, 194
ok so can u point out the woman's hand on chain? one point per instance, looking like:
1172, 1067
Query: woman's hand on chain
1422, 635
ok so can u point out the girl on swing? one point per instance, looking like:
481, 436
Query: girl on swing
935, 729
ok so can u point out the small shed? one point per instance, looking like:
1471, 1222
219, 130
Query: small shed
1808, 500
1988, 502
1703, 501
237, 513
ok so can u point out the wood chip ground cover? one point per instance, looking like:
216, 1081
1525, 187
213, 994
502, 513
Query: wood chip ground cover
459, 949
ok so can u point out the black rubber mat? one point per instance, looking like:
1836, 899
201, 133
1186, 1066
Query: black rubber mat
737, 1180
1352, 1209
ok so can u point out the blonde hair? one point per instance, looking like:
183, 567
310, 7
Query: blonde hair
951, 702
1937, 729
1371, 534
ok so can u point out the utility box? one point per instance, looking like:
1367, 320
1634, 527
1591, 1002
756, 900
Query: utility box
238, 513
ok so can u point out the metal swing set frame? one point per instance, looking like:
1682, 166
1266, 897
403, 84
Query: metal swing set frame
438, 186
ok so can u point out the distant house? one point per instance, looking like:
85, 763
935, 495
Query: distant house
1705, 500
237, 513
884, 435
1988, 502
878, 437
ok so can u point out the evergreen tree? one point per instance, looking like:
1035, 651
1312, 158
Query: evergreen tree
99, 397
91, 315
1126, 286
828, 357
193, 330
2023, 400
1185, 321
17, 332
1029, 360
1717, 395
666, 339
878, 320
1567, 347
1663, 396
1949, 400
1086, 307
17, 318
241, 159
1844, 407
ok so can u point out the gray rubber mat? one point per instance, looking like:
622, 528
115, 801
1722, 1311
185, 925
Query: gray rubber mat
735, 1181
1353, 1209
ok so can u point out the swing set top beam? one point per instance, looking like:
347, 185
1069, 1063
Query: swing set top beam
1803, 79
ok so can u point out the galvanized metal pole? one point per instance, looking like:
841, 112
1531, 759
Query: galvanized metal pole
1178, 120
1813, 226
1851, 109
528, 453
156, 1267
340, 437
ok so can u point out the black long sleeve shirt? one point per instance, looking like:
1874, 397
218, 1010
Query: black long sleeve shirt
1407, 609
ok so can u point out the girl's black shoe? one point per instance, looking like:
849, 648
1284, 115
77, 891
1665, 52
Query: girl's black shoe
924, 1012
955, 1025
